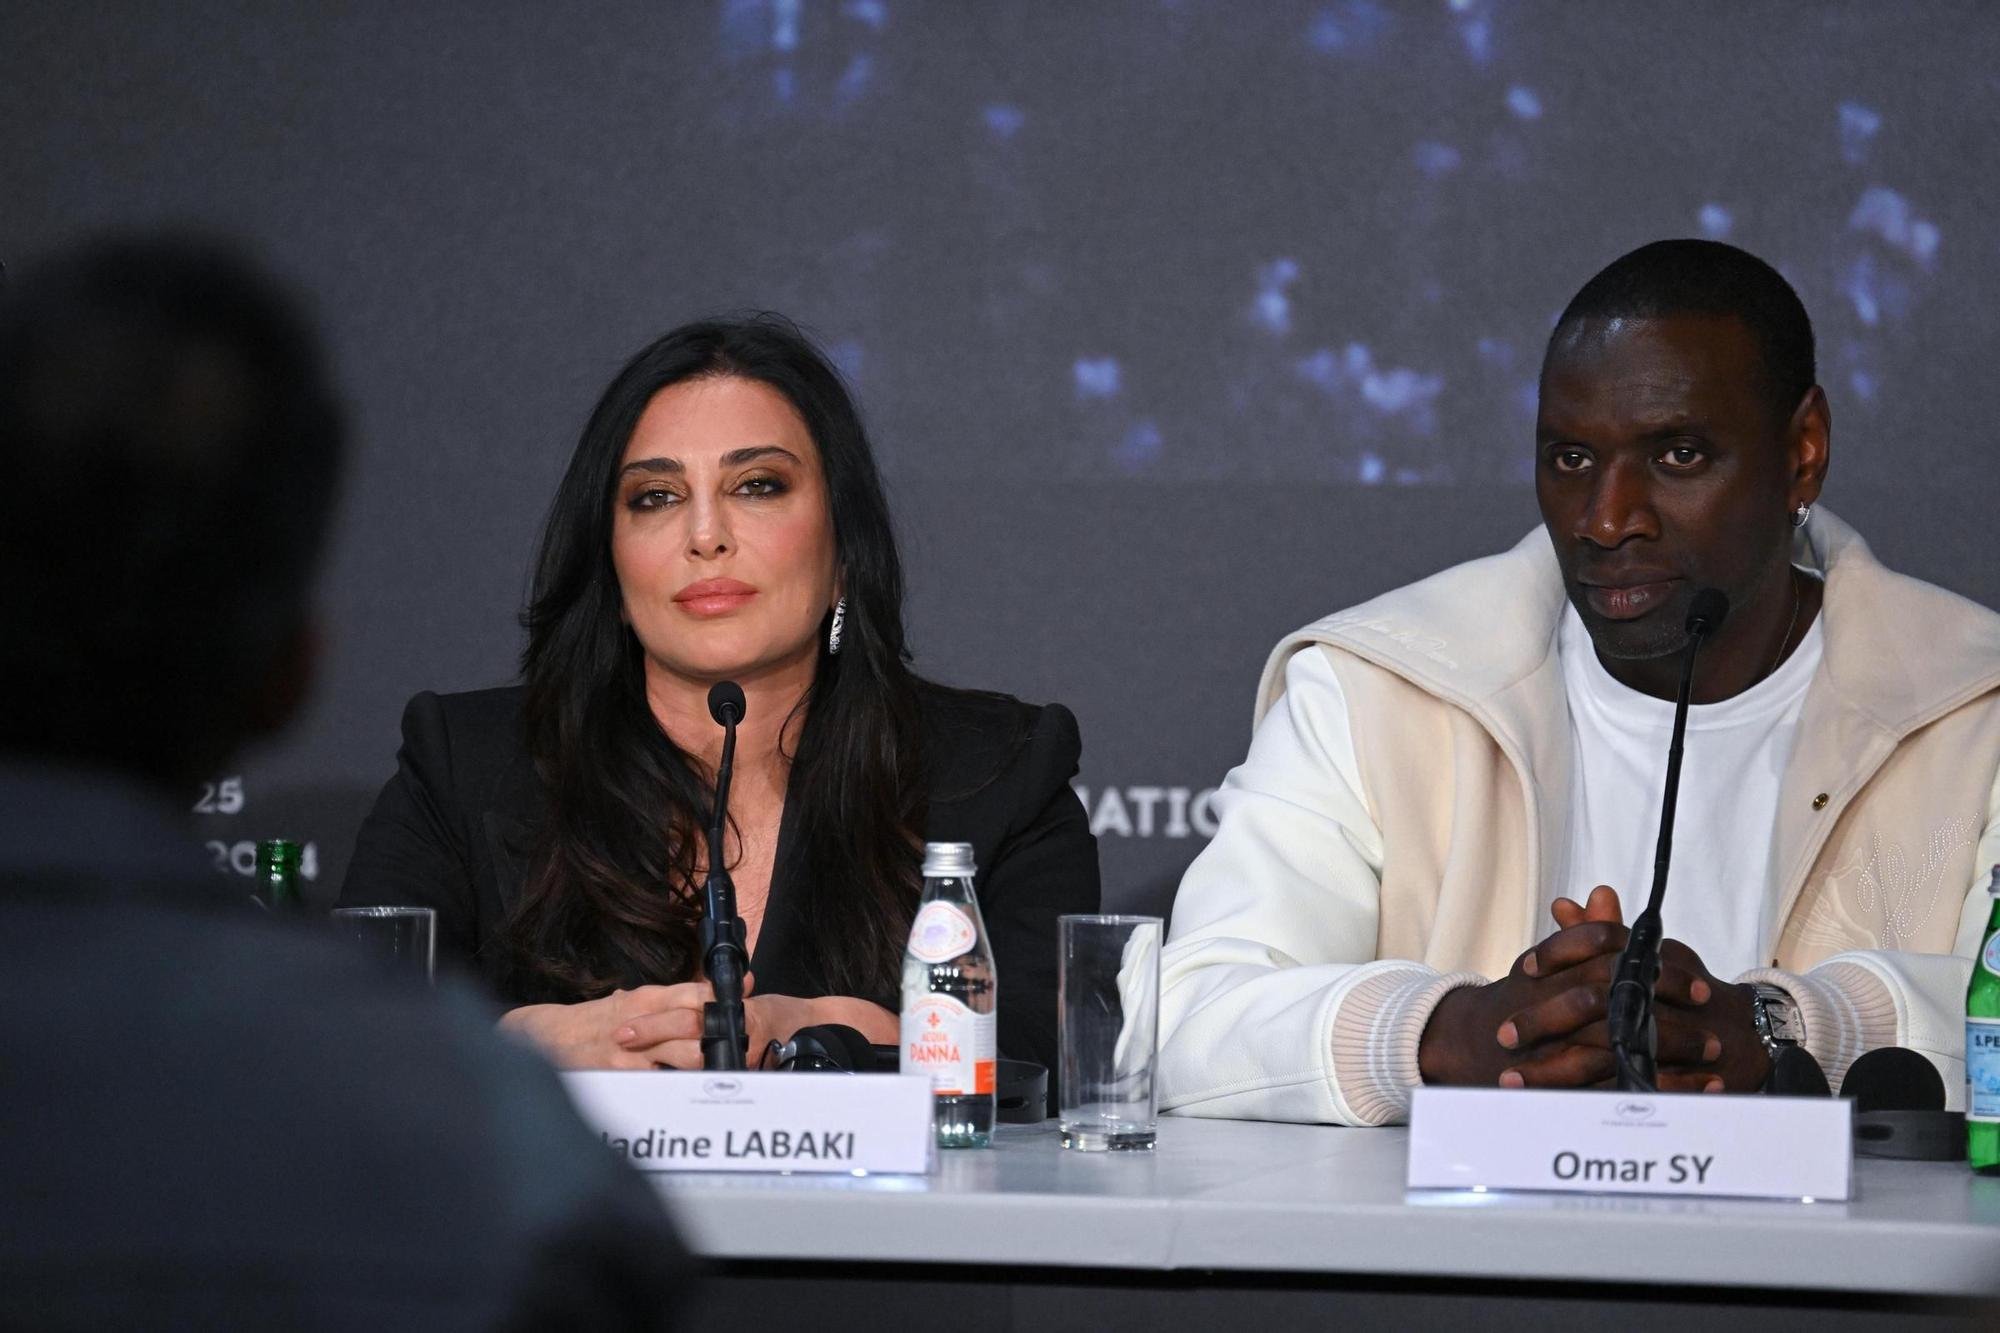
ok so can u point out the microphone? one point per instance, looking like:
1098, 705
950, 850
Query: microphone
724, 1034
1021, 1087
1795, 1073
1899, 1110
725, 703
1629, 1010
1893, 1078
834, 1046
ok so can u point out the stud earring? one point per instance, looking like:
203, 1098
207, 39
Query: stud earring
1800, 515
839, 623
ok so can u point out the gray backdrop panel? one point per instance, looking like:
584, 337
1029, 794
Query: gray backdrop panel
1177, 323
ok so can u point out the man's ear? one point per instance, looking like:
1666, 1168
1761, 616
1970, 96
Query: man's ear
1811, 442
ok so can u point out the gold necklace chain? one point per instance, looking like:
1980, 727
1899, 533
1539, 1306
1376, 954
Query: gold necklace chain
1792, 577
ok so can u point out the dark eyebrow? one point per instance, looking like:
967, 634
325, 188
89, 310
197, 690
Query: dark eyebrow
651, 465
734, 458
737, 457
1670, 427
1652, 432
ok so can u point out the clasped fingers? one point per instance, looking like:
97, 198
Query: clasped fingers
652, 1029
1563, 1013
626, 1005
1572, 947
1677, 1043
1585, 998
1561, 1065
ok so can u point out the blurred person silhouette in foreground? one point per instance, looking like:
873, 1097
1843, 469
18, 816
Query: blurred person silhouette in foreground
214, 1120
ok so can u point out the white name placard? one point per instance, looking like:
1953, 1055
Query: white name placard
1632, 1143
673, 1120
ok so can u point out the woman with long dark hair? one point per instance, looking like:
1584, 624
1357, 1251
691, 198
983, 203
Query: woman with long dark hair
722, 519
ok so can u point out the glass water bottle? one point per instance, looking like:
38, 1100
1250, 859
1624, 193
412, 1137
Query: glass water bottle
948, 998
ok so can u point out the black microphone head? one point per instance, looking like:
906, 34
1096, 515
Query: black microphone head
1893, 1078
833, 1045
1794, 1073
1706, 612
725, 702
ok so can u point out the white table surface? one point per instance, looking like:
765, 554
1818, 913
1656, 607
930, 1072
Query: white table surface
1303, 1198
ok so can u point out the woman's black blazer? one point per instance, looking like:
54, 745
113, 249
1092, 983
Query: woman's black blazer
454, 828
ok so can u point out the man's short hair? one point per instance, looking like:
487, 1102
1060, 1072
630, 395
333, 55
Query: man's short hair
1696, 277
171, 446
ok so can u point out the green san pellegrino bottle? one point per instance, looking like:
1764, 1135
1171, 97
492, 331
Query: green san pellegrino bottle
1982, 1047
278, 876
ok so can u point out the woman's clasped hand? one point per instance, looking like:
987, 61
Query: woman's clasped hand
653, 1027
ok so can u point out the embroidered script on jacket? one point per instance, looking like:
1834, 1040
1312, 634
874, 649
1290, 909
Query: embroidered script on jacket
1880, 890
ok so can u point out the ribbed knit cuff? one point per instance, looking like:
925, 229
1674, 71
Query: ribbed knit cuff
1376, 1029
1846, 1009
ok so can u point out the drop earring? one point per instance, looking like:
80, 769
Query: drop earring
1800, 515
839, 623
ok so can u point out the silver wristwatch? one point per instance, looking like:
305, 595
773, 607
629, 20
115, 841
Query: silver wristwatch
1776, 1015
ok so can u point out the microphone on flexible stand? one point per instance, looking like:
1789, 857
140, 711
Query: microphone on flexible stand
724, 1035
1629, 1010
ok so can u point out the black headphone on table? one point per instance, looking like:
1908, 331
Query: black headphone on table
1021, 1087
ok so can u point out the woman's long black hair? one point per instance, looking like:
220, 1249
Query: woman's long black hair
611, 899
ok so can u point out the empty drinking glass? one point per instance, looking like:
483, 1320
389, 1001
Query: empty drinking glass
1109, 980
405, 936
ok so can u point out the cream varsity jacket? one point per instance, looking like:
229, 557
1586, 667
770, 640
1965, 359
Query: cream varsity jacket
1315, 934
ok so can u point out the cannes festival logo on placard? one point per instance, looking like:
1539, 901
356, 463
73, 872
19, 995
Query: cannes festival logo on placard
1635, 1114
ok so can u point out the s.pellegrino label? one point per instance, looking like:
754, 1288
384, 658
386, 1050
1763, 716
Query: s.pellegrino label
1982, 1047
949, 998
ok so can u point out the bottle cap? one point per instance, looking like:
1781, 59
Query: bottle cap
1993, 885
953, 860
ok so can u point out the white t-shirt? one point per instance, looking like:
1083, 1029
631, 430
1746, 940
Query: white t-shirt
1718, 896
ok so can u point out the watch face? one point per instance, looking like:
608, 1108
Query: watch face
1780, 1017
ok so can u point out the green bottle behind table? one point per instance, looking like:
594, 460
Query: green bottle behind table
278, 876
1982, 1047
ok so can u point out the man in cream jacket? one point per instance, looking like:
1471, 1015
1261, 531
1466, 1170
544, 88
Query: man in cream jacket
1405, 883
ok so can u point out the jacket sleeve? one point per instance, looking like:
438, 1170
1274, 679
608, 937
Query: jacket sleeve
409, 850
1857, 1001
1045, 866
1273, 1005
592, 1247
